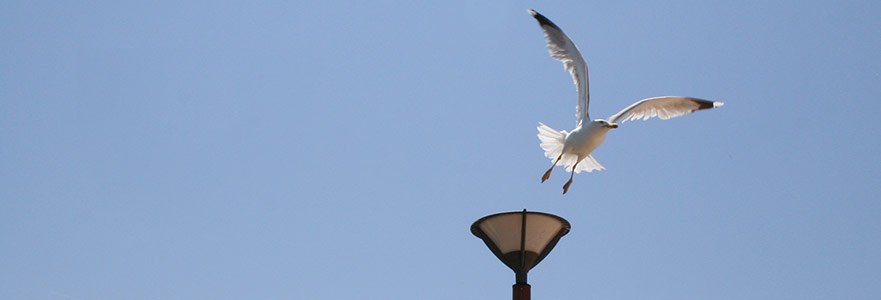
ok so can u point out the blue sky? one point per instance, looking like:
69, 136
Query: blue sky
338, 150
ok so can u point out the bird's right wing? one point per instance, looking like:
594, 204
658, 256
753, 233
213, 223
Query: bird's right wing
662, 107
563, 49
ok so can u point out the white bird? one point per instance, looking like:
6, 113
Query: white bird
572, 149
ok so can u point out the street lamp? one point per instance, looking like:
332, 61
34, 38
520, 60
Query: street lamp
521, 240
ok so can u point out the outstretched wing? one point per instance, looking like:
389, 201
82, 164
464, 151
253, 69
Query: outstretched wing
563, 49
662, 107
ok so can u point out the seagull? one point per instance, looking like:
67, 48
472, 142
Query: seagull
573, 149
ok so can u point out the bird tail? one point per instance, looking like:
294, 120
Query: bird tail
552, 142
588, 164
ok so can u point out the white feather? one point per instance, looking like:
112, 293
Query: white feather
563, 49
662, 107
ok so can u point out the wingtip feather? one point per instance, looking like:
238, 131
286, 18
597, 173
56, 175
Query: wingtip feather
718, 104
542, 20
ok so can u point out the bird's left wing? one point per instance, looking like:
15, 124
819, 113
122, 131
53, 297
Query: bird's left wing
563, 49
662, 107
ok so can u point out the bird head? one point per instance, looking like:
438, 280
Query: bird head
605, 123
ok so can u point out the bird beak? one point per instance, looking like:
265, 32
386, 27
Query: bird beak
613, 126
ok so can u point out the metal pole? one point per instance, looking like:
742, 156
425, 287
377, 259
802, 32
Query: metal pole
521, 288
521, 291
521, 274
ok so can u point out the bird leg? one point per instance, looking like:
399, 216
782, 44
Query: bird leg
566, 186
548, 173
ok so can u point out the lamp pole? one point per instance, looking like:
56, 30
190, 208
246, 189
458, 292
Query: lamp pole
521, 288
521, 240
521, 291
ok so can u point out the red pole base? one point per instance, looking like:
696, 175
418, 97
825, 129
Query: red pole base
521, 291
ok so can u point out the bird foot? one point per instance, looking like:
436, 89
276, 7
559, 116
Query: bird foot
546, 175
566, 186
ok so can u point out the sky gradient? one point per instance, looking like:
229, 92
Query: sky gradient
339, 150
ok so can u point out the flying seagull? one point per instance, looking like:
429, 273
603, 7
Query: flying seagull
572, 149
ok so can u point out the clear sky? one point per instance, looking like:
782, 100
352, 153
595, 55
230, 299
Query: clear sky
341, 150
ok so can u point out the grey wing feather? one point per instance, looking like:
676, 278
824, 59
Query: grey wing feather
662, 107
563, 49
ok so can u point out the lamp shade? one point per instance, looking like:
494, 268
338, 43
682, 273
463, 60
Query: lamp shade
520, 239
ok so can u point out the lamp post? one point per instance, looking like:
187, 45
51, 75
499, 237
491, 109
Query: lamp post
521, 240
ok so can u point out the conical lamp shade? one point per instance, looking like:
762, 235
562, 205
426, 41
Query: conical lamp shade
521, 239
